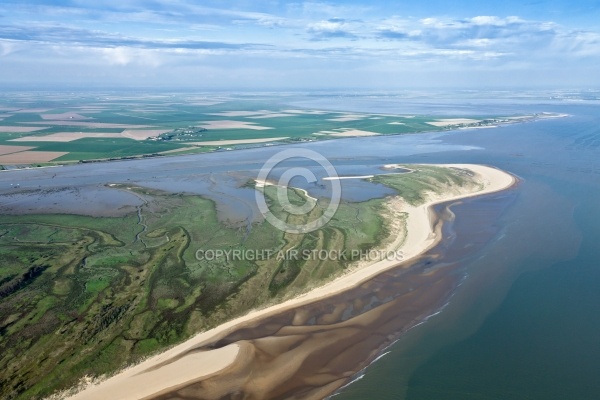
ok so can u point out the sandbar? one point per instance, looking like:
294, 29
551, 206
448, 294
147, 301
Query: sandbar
146, 379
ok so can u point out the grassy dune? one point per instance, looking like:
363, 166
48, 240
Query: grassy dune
85, 296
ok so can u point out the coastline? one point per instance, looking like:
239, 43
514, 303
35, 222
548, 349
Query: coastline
280, 141
183, 364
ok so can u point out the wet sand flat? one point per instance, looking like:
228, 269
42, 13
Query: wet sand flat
285, 350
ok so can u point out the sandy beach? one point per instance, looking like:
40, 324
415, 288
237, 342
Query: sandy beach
188, 362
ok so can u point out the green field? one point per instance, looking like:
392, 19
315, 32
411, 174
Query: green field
170, 113
85, 296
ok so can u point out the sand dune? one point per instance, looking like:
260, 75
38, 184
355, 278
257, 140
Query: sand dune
184, 362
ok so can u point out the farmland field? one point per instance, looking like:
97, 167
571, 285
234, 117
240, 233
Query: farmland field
77, 127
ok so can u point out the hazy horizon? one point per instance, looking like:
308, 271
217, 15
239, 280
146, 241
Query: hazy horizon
286, 45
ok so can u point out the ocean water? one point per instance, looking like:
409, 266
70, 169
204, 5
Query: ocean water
526, 322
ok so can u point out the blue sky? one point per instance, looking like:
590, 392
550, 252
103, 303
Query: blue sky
300, 45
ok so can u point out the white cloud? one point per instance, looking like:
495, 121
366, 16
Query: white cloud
274, 36
126, 55
495, 21
578, 43
332, 28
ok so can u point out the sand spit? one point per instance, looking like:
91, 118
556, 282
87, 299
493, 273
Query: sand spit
146, 379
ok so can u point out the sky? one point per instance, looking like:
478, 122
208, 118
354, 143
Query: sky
280, 45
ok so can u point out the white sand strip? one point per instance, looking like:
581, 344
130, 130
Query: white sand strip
144, 380
135, 383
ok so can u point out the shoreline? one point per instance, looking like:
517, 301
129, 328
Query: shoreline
184, 364
265, 142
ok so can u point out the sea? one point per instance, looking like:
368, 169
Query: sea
525, 321
525, 324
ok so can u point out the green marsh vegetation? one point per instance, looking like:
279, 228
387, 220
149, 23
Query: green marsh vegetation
85, 296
